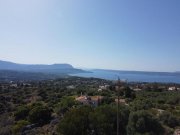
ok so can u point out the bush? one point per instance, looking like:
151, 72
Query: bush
65, 104
5, 130
103, 120
40, 114
99, 121
21, 112
2, 108
141, 123
169, 120
141, 105
19, 125
107, 100
75, 122
127, 92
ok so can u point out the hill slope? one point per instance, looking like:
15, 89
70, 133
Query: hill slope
53, 69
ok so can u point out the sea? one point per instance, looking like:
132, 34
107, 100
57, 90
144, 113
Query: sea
133, 76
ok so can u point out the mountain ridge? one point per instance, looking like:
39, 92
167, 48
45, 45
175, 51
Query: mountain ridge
43, 68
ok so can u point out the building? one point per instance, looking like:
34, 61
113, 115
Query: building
90, 100
14, 85
71, 87
172, 88
137, 89
85, 100
103, 87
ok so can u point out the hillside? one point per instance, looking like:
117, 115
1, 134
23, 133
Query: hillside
40, 68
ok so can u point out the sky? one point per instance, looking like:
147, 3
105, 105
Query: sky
108, 34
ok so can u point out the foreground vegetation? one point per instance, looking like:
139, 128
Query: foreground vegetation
50, 108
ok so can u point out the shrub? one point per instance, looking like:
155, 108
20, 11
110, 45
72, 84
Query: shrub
65, 104
2, 108
169, 120
75, 122
19, 125
40, 114
141, 123
21, 112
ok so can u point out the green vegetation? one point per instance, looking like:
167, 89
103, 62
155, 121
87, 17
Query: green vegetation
65, 104
40, 114
21, 112
141, 122
77, 106
16, 129
75, 122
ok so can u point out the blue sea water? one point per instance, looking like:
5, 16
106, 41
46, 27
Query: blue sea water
133, 76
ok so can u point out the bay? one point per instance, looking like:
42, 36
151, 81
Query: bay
133, 76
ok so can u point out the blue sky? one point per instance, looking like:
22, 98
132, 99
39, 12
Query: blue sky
109, 34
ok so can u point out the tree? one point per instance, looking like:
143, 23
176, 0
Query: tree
21, 112
75, 122
141, 105
127, 92
103, 120
99, 121
169, 120
19, 125
65, 104
141, 123
2, 108
43, 94
40, 114
107, 100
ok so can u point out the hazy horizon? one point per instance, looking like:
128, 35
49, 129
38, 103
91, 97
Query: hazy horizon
85, 68
120, 35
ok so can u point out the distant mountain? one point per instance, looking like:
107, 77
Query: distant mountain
53, 69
